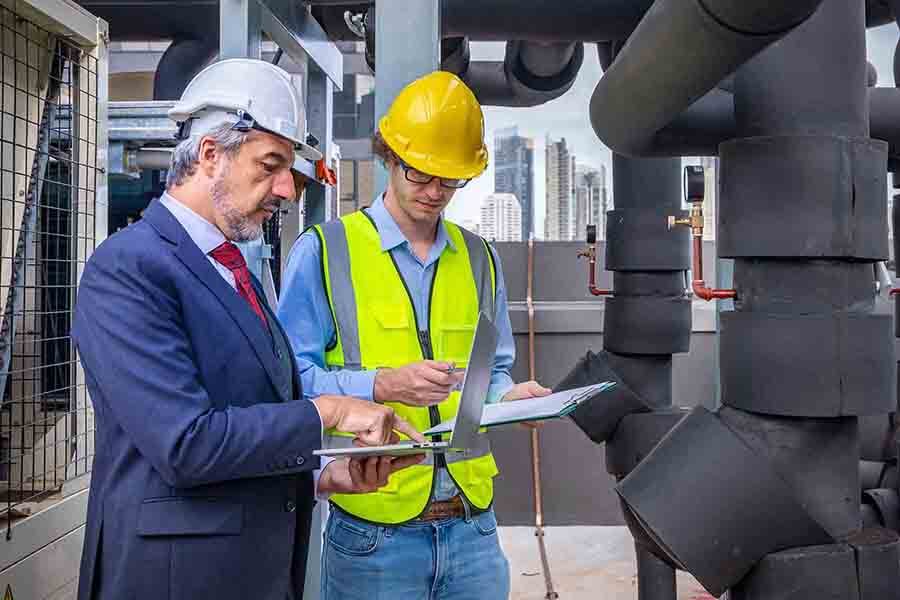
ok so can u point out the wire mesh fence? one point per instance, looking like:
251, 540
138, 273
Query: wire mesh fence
48, 183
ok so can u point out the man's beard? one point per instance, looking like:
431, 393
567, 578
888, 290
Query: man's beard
239, 227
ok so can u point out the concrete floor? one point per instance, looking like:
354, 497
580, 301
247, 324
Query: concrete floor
587, 563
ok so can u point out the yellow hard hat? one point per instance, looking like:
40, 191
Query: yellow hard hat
435, 125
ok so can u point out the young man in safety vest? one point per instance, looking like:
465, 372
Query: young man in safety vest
382, 304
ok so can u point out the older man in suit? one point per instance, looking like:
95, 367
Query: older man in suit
202, 482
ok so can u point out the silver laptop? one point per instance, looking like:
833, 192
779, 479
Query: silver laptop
471, 404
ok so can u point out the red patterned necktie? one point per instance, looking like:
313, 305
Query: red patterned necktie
228, 255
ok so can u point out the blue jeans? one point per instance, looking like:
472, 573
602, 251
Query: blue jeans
451, 559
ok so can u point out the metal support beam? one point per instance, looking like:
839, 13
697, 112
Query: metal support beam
320, 199
408, 34
293, 28
240, 33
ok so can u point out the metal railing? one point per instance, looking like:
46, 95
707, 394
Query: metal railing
49, 177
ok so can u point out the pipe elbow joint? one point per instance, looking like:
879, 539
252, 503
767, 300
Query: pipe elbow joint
746, 17
554, 80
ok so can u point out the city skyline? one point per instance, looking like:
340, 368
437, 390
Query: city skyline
568, 117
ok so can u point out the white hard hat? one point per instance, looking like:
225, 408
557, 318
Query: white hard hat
251, 94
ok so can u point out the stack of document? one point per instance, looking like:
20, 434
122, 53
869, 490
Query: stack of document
553, 406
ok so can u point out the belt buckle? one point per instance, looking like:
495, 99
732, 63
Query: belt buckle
443, 509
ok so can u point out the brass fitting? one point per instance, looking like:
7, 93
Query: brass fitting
694, 220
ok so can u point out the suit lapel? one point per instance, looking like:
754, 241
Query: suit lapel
189, 254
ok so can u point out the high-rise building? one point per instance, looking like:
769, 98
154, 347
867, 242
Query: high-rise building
514, 172
591, 200
710, 166
559, 223
471, 224
501, 218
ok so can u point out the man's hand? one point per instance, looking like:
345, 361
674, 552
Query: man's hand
373, 424
423, 383
523, 391
362, 475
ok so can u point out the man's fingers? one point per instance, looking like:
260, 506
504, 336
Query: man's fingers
439, 378
371, 471
384, 470
536, 389
354, 467
407, 429
402, 462
438, 365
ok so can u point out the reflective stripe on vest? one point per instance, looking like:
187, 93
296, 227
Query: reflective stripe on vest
377, 327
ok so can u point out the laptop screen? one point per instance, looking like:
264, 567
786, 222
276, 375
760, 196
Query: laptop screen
476, 383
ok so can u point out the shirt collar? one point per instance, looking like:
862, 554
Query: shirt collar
203, 233
390, 233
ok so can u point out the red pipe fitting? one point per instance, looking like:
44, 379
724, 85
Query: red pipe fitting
698, 284
592, 279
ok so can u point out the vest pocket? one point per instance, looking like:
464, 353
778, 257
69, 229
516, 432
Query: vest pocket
397, 342
453, 342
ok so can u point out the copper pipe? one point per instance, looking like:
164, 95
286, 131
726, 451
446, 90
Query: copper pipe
536, 436
698, 285
695, 222
591, 254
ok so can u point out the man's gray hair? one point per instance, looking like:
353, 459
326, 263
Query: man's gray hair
187, 152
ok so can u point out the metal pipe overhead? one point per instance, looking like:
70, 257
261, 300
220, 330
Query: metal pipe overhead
678, 53
542, 20
531, 74
183, 59
709, 121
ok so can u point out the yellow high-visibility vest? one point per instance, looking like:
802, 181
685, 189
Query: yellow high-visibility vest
377, 327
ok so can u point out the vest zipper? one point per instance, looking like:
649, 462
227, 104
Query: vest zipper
434, 416
424, 338
434, 413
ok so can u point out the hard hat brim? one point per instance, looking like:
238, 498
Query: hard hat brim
307, 152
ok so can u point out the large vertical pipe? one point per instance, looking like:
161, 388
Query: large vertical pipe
644, 187
802, 267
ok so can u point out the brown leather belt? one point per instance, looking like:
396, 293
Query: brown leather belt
444, 509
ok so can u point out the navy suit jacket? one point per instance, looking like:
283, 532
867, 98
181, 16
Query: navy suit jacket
201, 484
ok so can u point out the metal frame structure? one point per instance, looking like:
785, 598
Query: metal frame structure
137, 128
53, 199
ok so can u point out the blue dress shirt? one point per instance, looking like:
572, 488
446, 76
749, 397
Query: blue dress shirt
305, 313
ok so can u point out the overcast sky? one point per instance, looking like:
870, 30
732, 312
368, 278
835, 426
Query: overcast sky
568, 117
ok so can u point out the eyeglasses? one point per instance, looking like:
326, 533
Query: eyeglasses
416, 176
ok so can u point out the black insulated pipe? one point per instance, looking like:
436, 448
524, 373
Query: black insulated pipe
539, 20
709, 121
183, 59
542, 20
679, 52
530, 74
